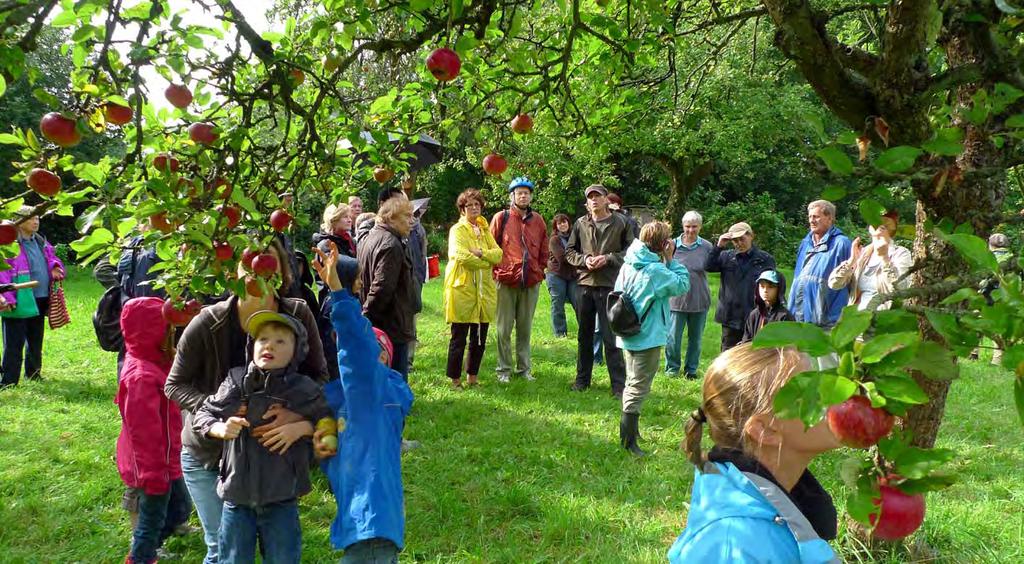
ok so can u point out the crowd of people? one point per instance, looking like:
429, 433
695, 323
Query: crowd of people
224, 414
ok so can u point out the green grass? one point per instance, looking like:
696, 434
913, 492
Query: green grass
516, 473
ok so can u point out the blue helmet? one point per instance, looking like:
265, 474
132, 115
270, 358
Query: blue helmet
520, 182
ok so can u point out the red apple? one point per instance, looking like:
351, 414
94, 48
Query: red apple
444, 64
382, 174
233, 215
177, 313
522, 123
44, 182
60, 130
856, 424
160, 223
495, 164
265, 265
279, 220
8, 233
297, 77
116, 113
193, 307
254, 287
223, 251
178, 95
248, 255
166, 163
901, 514
222, 186
202, 133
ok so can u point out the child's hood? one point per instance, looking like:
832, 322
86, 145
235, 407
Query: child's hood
779, 298
143, 327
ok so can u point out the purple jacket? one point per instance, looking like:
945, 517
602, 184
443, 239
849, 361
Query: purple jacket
19, 265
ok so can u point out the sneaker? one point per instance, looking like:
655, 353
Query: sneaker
408, 445
529, 377
671, 373
503, 378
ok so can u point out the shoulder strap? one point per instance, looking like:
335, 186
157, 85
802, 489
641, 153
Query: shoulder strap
501, 230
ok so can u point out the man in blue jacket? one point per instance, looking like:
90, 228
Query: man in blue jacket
824, 247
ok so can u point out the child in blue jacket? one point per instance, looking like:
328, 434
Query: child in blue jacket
370, 402
754, 500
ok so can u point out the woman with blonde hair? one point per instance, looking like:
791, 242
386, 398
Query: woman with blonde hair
470, 293
754, 500
337, 227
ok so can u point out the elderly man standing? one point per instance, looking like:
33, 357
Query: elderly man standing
522, 235
740, 268
597, 246
824, 247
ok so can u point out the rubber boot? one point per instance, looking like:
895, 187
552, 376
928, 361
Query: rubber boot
629, 431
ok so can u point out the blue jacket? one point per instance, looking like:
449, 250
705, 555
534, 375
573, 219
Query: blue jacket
649, 283
740, 517
810, 298
373, 400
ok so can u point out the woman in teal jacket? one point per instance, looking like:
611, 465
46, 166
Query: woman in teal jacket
649, 277
754, 500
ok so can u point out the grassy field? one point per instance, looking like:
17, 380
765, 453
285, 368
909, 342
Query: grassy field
516, 473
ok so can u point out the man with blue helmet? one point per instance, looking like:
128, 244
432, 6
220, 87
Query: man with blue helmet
522, 235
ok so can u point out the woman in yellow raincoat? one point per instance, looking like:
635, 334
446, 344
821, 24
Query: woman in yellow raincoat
470, 294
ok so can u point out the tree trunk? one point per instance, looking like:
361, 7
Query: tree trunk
681, 184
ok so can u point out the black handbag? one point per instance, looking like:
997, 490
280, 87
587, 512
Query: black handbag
622, 317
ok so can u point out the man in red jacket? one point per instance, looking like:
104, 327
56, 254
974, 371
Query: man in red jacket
522, 235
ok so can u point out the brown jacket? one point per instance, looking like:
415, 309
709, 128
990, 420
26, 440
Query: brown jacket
523, 245
204, 358
390, 295
557, 264
610, 237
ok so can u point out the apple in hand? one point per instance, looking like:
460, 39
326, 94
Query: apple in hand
60, 130
856, 424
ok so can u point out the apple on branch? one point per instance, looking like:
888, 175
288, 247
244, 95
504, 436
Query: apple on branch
60, 130
43, 182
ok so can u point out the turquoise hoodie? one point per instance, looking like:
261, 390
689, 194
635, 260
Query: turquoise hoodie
740, 517
649, 283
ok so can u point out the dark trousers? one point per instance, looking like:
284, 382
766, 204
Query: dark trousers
477, 333
159, 515
590, 302
730, 337
23, 338
400, 361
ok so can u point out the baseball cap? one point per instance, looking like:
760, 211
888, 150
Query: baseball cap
998, 241
769, 276
595, 188
261, 318
385, 342
520, 182
738, 230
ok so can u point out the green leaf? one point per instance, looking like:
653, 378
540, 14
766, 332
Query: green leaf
895, 321
934, 361
814, 121
846, 367
10, 139
806, 337
1018, 397
833, 389
900, 388
836, 160
897, 159
833, 193
99, 238
915, 463
3, 85
847, 138
930, 483
852, 324
91, 173
974, 249
800, 398
943, 147
882, 344
457, 7
64, 19
420, 5
968, 294
465, 43
860, 504
1015, 121
871, 211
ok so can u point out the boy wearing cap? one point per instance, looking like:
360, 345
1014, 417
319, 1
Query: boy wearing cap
771, 285
740, 268
522, 235
597, 247
260, 486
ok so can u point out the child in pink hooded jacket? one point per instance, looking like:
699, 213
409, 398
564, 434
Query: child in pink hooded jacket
149, 447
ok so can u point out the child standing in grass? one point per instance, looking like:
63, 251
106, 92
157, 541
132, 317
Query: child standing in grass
260, 487
370, 401
149, 447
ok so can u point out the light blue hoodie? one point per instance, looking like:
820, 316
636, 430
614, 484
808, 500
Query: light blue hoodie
649, 283
740, 517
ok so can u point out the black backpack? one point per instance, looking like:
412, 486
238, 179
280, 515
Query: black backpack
622, 317
106, 321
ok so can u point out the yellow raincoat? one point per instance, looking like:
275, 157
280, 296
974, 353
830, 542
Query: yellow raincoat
470, 292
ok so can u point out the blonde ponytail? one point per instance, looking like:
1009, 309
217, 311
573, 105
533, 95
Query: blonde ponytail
694, 433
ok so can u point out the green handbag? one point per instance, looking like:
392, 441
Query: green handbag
26, 306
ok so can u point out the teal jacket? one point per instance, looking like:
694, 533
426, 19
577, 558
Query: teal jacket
742, 518
649, 283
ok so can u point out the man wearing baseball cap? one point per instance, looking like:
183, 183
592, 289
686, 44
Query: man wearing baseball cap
740, 268
522, 235
596, 247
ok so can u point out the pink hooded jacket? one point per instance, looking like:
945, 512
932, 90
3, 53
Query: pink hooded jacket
149, 447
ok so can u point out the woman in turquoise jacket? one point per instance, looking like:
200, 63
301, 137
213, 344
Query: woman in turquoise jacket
754, 500
649, 277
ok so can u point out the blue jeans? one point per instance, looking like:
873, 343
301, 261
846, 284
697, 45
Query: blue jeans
561, 291
693, 323
159, 515
276, 526
371, 551
202, 485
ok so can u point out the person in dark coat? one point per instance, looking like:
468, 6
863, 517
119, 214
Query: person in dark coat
771, 287
740, 268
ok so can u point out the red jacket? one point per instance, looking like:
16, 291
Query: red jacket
524, 246
149, 447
